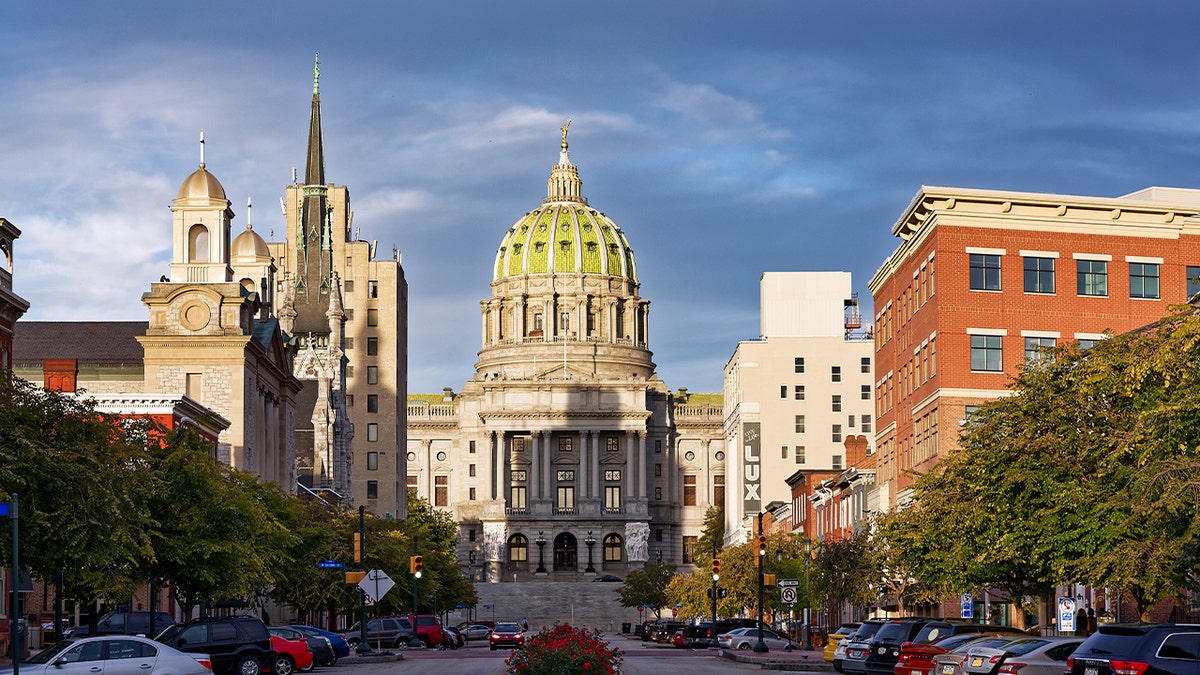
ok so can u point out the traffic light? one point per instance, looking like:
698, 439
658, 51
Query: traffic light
768, 579
710, 593
358, 547
762, 544
716, 568
415, 566
354, 577
721, 593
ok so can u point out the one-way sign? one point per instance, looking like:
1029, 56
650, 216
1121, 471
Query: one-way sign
787, 582
376, 584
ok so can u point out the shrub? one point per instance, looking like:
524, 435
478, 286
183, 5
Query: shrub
565, 650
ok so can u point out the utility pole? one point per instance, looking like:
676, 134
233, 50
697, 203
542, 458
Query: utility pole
363, 645
715, 576
761, 646
14, 617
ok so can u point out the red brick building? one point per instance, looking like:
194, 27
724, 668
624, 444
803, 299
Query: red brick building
982, 278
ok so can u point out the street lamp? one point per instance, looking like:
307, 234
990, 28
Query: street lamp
807, 597
590, 541
541, 542
760, 646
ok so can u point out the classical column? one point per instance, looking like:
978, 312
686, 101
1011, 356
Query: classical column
642, 463
629, 462
535, 466
495, 466
583, 466
596, 464
708, 475
485, 315
519, 331
546, 455
427, 466
646, 323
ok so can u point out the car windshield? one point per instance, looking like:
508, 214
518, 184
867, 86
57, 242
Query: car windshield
892, 632
170, 632
866, 632
507, 628
1021, 647
46, 655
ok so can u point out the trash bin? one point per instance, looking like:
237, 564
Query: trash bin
626, 628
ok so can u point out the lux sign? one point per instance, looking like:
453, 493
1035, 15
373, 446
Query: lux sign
751, 466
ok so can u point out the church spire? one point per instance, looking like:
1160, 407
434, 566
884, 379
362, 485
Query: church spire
314, 171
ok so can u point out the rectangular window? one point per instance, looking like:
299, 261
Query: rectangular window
657, 470
372, 289
348, 286
372, 317
519, 444
783, 452
850, 421
658, 534
372, 433
865, 392
986, 353
718, 488
372, 374
566, 497
799, 394
985, 272
689, 550
372, 346
516, 498
689, 490
1193, 281
194, 386
372, 461
1087, 343
612, 497
518, 476
837, 433
612, 444
1039, 275
865, 423
349, 400
783, 391
799, 364
441, 490
471, 534
412, 485
835, 373
658, 494
471, 496
1033, 347
837, 403
471, 470
372, 403
471, 447
1143, 280
836, 463
1092, 277
349, 343
565, 476
799, 424
800, 454
865, 364
372, 489
564, 444
612, 475
658, 446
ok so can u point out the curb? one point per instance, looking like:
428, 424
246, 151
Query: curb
788, 663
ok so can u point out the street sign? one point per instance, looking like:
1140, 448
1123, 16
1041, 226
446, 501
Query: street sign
787, 595
376, 584
641, 608
968, 603
330, 565
1066, 616
4, 509
787, 582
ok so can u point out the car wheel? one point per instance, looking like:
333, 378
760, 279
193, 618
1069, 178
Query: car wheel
493, 647
745, 646
284, 665
352, 644
333, 660
401, 643
312, 664
789, 648
248, 665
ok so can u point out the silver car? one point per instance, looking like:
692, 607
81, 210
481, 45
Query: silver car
1026, 656
951, 663
746, 638
113, 655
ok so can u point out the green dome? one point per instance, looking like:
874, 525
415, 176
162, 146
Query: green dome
564, 238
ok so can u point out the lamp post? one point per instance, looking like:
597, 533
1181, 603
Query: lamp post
590, 541
541, 542
778, 570
807, 597
760, 646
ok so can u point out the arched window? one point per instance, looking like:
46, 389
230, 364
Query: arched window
198, 244
612, 548
518, 549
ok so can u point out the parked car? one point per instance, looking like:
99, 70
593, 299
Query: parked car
429, 628
664, 629
319, 645
135, 654
123, 623
476, 631
916, 658
341, 646
452, 638
1138, 649
507, 635
885, 646
384, 632
677, 639
1026, 656
291, 654
607, 577
937, 630
951, 662
746, 638
236, 645
835, 637
854, 661
699, 635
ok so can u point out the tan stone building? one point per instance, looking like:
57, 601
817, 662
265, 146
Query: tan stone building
565, 455
794, 397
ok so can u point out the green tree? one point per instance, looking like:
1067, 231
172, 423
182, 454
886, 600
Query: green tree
648, 586
844, 571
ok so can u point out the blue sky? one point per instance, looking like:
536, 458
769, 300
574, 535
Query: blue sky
726, 138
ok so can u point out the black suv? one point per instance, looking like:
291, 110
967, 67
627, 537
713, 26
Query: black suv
1138, 649
884, 648
124, 623
237, 645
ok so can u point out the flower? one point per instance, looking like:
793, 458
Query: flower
565, 650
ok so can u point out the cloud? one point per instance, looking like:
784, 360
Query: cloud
721, 117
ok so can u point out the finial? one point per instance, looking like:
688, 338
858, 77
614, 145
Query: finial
316, 73
249, 206
564, 132
202, 148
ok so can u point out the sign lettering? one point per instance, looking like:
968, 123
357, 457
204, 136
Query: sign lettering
751, 466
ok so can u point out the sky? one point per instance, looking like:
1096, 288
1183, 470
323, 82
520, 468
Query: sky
727, 139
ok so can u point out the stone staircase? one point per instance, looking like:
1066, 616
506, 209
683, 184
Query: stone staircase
544, 602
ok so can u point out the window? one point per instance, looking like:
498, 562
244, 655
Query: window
372, 317
518, 476
657, 470
866, 392
1093, 277
658, 446
836, 463
372, 289
1143, 280
518, 548
372, 433
372, 346
865, 423
800, 458
850, 422
566, 497
372, 374
689, 549
441, 490
349, 314
799, 424
516, 498
799, 364
783, 391
471, 494
349, 400
564, 444
471, 534
1039, 275
612, 498
865, 364
985, 272
612, 444
471, 447
799, 392
348, 286
837, 403
783, 452
612, 475
986, 353
1193, 280
835, 374
612, 548
689, 490
1033, 347
372, 403
1087, 343
719, 488
471, 470
194, 386
372, 489
412, 485
837, 433
349, 343
658, 534
198, 244
658, 494
372, 461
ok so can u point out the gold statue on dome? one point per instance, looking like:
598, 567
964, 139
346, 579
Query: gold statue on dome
564, 130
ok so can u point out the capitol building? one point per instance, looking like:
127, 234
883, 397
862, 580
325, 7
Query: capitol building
565, 455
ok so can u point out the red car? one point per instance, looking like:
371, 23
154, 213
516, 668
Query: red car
916, 658
507, 635
291, 655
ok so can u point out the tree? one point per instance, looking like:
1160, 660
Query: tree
648, 586
843, 571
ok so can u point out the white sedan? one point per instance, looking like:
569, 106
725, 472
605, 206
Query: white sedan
114, 654
747, 638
